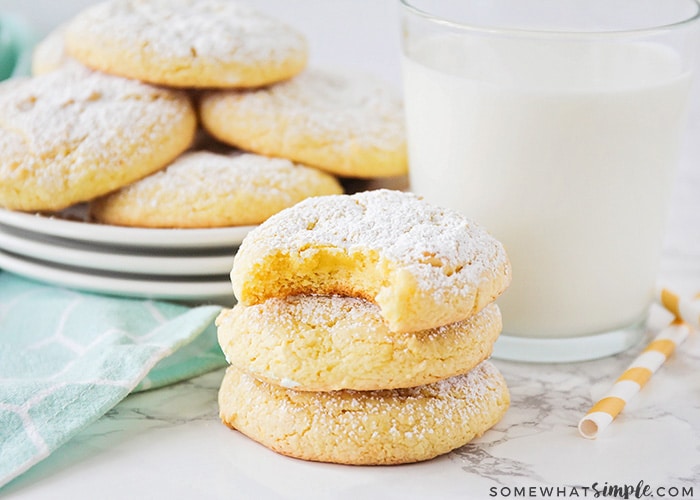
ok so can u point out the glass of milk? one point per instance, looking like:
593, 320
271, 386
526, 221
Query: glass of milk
557, 125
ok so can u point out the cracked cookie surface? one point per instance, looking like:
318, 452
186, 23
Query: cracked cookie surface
204, 189
424, 266
366, 427
328, 343
348, 124
74, 134
186, 43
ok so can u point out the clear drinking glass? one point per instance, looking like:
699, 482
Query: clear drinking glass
557, 125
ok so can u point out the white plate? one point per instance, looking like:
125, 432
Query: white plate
124, 236
214, 291
82, 254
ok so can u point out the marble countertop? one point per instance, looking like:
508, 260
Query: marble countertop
169, 443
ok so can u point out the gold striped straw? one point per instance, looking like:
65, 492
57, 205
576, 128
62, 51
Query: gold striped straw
645, 365
685, 310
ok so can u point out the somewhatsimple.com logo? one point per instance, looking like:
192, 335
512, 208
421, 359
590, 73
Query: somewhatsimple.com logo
596, 490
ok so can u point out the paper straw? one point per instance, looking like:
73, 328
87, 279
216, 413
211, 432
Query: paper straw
682, 309
633, 379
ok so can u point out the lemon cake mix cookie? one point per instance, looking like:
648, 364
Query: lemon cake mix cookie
186, 43
348, 124
424, 266
70, 136
203, 189
366, 427
327, 343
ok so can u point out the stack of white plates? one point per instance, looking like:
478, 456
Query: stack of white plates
190, 265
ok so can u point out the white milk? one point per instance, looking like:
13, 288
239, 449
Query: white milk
569, 164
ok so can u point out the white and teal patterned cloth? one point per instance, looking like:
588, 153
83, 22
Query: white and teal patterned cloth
16, 42
67, 357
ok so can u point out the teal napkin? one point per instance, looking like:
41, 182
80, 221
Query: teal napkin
67, 357
16, 43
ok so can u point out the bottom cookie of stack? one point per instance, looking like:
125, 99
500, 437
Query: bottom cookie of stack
366, 427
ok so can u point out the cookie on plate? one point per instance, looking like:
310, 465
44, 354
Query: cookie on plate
366, 427
74, 134
348, 124
203, 189
328, 343
186, 43
424, 266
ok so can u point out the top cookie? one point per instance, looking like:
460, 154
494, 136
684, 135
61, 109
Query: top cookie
75, 134
424, 266
186, 43
348, 124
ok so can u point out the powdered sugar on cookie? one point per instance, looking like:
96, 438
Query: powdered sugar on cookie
350, 124
366, 427
74, 134
423, 265
338, 106
196, 28
327, 343
171, 41
204, 189
437, 401
202, 173
438, 246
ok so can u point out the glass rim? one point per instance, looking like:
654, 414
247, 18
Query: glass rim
408, 6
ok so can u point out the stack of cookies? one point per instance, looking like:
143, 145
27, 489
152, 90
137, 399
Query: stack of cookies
361, 331
125, 91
